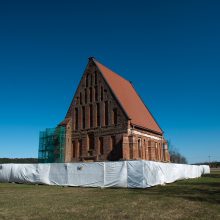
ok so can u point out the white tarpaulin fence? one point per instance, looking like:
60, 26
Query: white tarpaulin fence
126, 174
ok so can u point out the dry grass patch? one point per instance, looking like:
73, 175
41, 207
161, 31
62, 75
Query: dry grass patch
189, 199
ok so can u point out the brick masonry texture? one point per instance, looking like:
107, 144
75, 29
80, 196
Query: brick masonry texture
98, 129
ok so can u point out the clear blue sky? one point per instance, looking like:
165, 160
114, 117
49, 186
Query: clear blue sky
170, 50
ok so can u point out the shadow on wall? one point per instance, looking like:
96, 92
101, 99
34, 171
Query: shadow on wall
116, 153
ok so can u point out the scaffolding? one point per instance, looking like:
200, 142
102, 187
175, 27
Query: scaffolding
51, 145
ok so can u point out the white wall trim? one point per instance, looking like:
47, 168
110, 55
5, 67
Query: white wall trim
132, 131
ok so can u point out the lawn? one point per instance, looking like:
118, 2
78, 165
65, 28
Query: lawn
188, 199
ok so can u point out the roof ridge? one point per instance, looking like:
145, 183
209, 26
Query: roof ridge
93, 58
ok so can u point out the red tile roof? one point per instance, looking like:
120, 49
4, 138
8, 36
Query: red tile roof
129, 100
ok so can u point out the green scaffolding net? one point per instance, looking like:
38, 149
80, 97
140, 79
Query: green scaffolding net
51, 145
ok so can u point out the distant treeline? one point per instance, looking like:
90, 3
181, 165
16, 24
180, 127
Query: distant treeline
18, 160
214, 164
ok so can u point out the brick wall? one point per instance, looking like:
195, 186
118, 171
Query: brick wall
96, 114
93, 92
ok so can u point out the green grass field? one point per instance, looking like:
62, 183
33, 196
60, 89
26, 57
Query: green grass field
188, 199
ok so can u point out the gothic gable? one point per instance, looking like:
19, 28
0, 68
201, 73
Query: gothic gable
94, 103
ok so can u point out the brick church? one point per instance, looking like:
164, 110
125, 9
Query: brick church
108, 121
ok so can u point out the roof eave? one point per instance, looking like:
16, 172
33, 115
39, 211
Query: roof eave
147, 129
147, 108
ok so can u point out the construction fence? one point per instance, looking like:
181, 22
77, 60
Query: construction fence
125, 174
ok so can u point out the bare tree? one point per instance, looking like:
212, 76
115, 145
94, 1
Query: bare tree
175, 156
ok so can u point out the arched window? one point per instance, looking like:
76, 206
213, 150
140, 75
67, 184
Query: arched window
101, 150
87, 80
90, 94
91, 115
106, 113
98, 114
83, 117
145, 150
149, 150
139, 148
102, 93
156, 151
115, 116
80, 98
85, 96
76, 118
113, 142
91, 142
159, 152
74, 149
